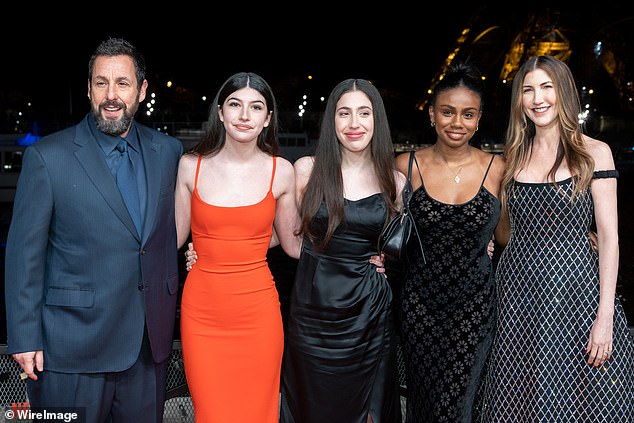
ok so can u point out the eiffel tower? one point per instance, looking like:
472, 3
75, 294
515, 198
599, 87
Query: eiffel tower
596, 42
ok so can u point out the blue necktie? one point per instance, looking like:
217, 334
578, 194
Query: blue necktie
126, 181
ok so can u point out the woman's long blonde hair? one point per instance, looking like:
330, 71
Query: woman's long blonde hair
521, 130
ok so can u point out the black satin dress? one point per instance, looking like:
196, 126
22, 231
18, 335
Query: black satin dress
339, 358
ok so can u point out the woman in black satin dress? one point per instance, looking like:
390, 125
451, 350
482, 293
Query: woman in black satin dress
339, 358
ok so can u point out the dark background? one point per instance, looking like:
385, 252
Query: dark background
401, 48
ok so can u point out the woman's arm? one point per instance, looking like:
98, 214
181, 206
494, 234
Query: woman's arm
604, 197
287, 222
274, 240
184, 188
503, 229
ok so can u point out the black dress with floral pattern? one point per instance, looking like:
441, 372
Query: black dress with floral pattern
448, 309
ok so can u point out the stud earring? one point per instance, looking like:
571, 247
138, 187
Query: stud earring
433, 124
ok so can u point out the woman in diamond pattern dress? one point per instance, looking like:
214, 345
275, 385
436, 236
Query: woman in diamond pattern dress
562, 350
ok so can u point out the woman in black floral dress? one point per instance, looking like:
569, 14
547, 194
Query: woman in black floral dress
448, 299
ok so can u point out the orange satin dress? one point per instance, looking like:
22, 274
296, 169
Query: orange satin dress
231, 322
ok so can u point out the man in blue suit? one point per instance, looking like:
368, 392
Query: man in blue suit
91, 298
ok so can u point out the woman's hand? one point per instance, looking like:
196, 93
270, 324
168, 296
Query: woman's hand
599, 348
594, 241
379, 262
190, 256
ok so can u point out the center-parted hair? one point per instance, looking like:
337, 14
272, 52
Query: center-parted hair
326, 181
215, 136
521, 130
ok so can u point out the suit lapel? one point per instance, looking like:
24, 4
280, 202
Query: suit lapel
91, 158
151, 150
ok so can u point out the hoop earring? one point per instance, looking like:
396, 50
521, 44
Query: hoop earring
433, 124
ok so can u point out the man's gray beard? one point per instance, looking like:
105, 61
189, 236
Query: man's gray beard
113, 128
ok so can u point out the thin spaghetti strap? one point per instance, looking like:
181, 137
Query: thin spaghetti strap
487, 172
420, 175
197, 170
273, 175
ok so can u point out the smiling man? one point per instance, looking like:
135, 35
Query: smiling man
91, 261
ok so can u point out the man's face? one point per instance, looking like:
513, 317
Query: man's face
114, 94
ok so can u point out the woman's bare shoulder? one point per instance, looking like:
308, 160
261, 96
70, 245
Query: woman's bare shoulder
283, 164
601, 153
499, 163
304, 165
402, 160
188, 163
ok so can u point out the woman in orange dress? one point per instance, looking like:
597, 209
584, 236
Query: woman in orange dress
232, 191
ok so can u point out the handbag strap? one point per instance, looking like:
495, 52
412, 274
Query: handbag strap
407, 194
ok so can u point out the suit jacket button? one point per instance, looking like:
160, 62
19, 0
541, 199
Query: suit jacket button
141, 287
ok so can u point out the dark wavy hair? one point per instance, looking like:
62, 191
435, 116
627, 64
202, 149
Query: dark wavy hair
215, 135
119, 47
326, 181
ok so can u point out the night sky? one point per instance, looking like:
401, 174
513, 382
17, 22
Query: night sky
399, 51
399, 48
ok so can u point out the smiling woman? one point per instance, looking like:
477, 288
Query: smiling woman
557, 308
231, 325
447, 312
339, 331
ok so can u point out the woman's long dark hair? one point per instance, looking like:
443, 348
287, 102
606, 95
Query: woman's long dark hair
215, 135
326, 181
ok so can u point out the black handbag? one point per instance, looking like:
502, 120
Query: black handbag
396, 235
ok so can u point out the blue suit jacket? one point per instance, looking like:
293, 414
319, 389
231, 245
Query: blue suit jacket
79, 281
